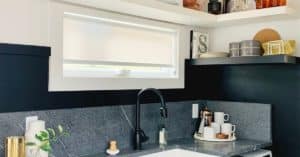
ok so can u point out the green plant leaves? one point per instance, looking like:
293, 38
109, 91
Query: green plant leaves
51, 132
62, 132
48, 136
42, 136
46, 147
60, 129
66, 134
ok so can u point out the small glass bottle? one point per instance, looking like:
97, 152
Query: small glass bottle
281, 2
163, 136
274, 3
259, 4
162, 132
224, 5
214, 7
266, 3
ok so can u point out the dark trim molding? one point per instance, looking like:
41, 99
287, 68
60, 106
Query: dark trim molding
27, 50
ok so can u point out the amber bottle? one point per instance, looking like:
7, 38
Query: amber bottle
259, 4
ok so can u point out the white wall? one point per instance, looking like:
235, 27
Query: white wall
221, 37
27, 22
24, 21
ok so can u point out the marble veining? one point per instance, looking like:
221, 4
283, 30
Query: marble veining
92, 128
253, 120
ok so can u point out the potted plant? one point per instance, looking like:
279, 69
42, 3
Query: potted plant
43, 147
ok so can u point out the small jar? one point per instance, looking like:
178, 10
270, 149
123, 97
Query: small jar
234, 49
224, 5
274, 3
240, 5
266, 3
259, 4
281, 2
215, 7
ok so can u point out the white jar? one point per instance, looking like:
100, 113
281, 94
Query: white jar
34, 128
240, 5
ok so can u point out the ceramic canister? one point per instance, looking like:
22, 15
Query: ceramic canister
234, 49
34, 128
250, 48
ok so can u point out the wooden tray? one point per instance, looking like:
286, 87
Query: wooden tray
198, 137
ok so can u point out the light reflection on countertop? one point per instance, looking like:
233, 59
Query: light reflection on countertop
222, 149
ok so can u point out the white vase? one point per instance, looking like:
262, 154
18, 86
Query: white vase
34, 128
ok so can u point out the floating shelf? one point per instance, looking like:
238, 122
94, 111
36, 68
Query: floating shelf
154, 9
276, 59
259, 15
151, 9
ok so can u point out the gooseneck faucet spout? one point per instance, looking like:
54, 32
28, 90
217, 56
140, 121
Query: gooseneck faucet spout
140, 135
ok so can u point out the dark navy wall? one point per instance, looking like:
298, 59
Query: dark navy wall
278, 85
24, 87
24, 84
23, 76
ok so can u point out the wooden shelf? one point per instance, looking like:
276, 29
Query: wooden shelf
255, 16
153, 9
276, 59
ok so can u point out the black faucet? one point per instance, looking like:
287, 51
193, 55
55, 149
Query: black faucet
140, 135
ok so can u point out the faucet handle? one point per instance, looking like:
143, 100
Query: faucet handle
164, 112
139, 138
143, 136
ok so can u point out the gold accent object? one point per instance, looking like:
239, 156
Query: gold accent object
278, 47
15, 146
113, 145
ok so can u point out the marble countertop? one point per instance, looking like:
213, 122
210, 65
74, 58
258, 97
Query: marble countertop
222, 149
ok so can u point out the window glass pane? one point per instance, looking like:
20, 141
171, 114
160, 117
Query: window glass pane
98, 39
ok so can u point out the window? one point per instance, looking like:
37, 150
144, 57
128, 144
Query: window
100, 47
100, 50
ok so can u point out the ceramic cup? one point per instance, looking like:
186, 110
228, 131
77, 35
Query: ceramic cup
216, 127
209, 133
228, 129
221, 117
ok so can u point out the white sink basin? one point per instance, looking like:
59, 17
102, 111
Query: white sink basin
178, 153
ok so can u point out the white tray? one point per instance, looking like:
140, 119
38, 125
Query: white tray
199, 137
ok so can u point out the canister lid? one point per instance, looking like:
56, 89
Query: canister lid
250, 43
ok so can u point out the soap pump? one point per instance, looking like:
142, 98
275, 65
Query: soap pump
162, 134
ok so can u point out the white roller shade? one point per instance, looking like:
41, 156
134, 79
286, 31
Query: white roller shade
108, 41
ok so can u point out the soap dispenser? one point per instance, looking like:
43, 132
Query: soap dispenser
162, 132
163, 136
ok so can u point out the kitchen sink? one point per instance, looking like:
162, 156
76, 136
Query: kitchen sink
178, 153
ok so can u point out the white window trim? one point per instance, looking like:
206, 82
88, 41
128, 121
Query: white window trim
57, 82
114, 73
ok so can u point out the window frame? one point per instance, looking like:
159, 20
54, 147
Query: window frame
57, 81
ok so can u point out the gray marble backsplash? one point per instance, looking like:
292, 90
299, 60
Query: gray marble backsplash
92, 128
253, 120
